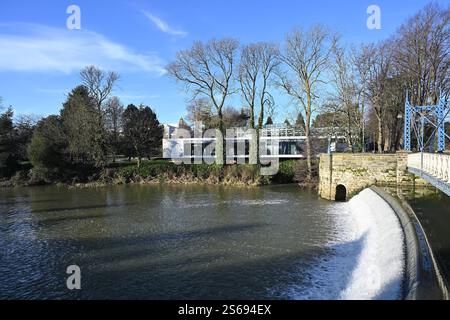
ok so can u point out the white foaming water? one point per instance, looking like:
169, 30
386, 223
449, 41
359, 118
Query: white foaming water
367, 254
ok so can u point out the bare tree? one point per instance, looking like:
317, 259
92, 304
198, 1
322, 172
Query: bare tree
271, 111
114, 111
258, 62
206, 70
422, 51
380, 78
200, 110
99, 83
233, 117
306, 57
344, 82
361, 61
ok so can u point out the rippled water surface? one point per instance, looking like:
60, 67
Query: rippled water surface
162, 242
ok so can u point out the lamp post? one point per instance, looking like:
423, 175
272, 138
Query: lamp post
422, 121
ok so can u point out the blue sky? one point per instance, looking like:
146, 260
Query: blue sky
40, 58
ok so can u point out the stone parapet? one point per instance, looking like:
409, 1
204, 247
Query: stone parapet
358, 171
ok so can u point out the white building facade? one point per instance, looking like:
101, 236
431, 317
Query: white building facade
280, 141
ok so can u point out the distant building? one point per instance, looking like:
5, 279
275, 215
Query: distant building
282, 141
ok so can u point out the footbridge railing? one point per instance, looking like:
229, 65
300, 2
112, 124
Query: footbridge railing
432, 167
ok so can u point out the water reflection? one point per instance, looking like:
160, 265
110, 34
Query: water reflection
161, 242
432, 208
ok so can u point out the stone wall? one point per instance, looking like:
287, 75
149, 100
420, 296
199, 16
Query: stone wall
358, 171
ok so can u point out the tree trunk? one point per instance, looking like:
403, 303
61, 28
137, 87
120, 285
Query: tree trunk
220, 142
138, 155
363, 138
380, 136
308, 146
363, 126
387, 143
254, 147
259, 129
307, 133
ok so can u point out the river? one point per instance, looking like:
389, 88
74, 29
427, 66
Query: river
189, 242
432, 208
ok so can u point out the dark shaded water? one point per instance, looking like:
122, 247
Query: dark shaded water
161, 242
432, 208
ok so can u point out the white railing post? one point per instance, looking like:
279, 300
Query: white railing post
447, 166
433, 167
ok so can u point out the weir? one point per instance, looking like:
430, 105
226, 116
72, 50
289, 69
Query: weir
422, 278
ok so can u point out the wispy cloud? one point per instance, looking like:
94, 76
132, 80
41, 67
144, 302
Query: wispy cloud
26, 47
138, 96
51, 91
164, 26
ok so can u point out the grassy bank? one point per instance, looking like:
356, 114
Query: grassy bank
161, 171
168, 172
291, 171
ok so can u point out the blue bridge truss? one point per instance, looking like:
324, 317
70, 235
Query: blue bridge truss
416, 117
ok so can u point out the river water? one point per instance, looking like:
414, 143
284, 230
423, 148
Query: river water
432, 208
182, 242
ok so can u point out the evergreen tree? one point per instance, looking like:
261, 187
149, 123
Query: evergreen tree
143, 131
300, 121
86, 143
8, 161
47, 146
23, 131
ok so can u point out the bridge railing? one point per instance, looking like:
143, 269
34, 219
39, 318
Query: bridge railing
435, 164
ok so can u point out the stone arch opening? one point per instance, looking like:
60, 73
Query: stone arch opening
341, 193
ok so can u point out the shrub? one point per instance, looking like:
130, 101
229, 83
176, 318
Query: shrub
160, 169
20, 178
286, 172
41, 175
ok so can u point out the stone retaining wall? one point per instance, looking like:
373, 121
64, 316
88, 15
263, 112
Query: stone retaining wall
358, 171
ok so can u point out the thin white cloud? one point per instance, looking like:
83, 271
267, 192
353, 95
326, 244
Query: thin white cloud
163, 26
138, 96
51, 91
38, 48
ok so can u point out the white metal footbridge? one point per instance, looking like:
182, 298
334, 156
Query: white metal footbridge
432, 167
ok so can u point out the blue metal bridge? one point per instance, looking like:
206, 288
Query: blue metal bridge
434, 165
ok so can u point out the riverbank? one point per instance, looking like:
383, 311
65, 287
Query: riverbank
160, 171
